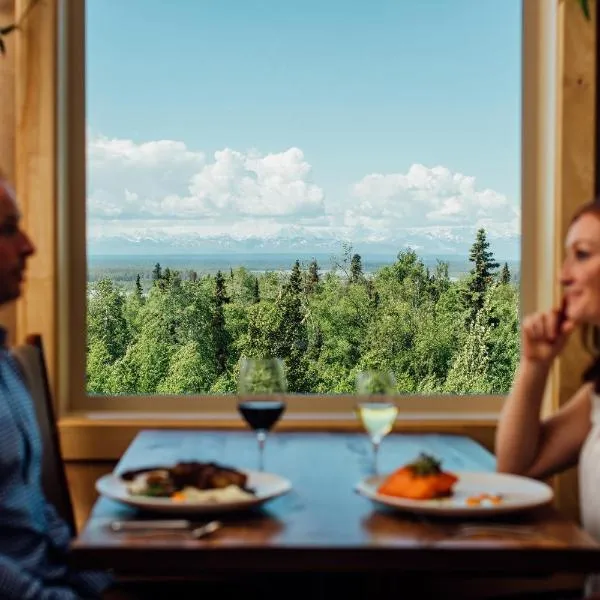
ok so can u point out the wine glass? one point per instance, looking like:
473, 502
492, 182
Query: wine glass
375, 412
261, 386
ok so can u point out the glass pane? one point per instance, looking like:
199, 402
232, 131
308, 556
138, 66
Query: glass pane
333, 184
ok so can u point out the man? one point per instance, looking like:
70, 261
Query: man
33, 539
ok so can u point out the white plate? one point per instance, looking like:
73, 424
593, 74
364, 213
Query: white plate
520, 493
266, 486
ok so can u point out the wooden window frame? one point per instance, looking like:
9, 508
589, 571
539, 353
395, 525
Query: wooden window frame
51, 182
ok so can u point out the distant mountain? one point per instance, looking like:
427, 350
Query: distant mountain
425, 244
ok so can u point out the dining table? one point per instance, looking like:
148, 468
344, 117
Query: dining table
321, 525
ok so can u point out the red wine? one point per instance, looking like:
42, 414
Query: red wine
261, 414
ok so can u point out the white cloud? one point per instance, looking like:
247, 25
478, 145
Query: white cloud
429, 199
164, 191
165, 180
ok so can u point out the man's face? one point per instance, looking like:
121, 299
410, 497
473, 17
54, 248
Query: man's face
15, 246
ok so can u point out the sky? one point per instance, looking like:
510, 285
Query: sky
270, 125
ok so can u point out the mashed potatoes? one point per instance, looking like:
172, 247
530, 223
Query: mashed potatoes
231, 493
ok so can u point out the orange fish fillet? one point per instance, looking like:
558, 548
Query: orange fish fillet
408, 482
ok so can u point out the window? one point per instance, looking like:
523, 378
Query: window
283, 147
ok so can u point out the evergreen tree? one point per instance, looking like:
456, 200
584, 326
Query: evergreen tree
312, 280
505, 275
139, 290
255, 292
156, 273
295, 282
482, 273
220, 335
174, 337
292, 337
356, 271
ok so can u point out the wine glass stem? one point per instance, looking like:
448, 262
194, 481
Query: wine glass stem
261, 436
376, 443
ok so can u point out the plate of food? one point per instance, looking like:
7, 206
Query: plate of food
423, 486
192, 487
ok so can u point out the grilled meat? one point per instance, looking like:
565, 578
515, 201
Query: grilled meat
203, 476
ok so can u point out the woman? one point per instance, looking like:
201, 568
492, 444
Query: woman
528, 446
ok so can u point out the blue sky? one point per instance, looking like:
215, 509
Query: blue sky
360, 88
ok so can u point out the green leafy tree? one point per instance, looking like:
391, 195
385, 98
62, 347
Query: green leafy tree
99, 367
501, 310
106, 318
440, 281
187, 336
469, 371
187, 372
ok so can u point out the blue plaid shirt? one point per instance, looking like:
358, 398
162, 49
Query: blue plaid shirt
34, 540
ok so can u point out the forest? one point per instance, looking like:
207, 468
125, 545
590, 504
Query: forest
187, 332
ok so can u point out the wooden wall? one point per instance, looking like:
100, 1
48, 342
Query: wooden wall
574, 181
8, 314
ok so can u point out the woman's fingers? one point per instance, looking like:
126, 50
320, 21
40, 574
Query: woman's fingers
537, 328
551, 325
543, 327
567, 327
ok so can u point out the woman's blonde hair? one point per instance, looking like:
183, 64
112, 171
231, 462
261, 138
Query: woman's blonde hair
590, 334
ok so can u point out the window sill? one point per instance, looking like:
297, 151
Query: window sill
95, 436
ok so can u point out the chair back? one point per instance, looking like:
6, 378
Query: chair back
31, 359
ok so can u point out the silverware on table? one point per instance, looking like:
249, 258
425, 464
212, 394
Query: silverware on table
160, 528
205, 530
168, 524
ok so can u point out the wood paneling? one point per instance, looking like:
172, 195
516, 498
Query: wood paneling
575, 181
8, 314
87, 439
82, 477
35, 168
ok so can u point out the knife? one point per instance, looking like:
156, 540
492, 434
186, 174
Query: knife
168, 524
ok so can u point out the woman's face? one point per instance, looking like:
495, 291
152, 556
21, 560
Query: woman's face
580, 275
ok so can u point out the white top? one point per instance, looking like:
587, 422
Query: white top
589, 486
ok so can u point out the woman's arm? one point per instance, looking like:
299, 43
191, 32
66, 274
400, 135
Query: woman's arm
524, 444
527, 446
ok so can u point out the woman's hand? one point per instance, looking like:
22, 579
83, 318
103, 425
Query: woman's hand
544, 335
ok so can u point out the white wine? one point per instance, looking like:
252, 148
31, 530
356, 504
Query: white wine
377, 418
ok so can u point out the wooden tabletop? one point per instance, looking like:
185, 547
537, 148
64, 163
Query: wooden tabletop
322, 525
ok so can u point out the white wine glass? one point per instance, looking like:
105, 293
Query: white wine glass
261, 386
375, 410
